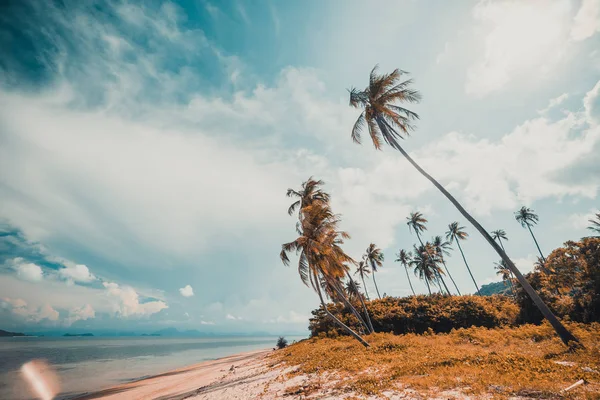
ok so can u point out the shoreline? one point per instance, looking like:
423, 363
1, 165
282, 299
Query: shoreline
181, 383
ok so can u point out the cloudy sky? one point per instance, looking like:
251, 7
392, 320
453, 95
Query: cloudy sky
145, 150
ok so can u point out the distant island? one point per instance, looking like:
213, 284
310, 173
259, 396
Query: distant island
10, 334
78, 334
151, 334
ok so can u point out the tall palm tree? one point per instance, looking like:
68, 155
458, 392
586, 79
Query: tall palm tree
385, 119
504, 272
362, 269
321, 259
442, 246
416, 222
309, 193
527, 218
595, 224
374, 258
456, 233
353, 290
404, 258
498, 235
424, 264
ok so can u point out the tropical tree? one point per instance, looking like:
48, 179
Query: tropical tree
425, 265
374, 258
321, 259
498, 235
527, 218
385, 119
504, 272
353, 290
309, 193
362, 269
442, 246
595, 224
404, 258
456, 233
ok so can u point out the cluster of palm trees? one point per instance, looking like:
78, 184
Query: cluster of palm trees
323, 263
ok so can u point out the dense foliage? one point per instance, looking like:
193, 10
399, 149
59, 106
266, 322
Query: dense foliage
569, 282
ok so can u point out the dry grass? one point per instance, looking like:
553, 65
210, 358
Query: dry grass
527, 361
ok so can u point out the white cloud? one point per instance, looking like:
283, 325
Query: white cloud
521, 38
233, 318
186, 291
292, 317
128, 301
30, 313
591, 103
76, 273
587, 20
28, 271
202, 322
80, 314
554, 102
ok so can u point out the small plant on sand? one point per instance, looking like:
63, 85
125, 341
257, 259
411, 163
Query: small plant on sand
282, 343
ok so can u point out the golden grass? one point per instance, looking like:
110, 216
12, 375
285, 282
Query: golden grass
501, 362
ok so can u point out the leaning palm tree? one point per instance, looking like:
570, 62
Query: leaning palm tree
404, 258
385, 119
527, 218
353, 290
374, 258
504, 272
424, 264
456, 233
595, 224
442, 246
362, 269
498, 235
321, 259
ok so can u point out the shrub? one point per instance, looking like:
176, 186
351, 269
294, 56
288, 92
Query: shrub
282, 342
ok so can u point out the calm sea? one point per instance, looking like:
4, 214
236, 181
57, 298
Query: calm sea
87, 364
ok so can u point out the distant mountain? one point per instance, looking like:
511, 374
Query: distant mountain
494, 288
10, 334
78, 334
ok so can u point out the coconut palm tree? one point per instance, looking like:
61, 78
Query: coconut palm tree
595, 224
504, 272
353, 290
386, 120
456, 233
310, 192
374, 258
442, 246
425, 266
498, 235
527, 218
404, 258
362, 269
321, 259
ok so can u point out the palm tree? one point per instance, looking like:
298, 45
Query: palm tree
416, 222
595, 224
424, 265
498, 235
374, 258
504, 272
457, 233
321, 259
527, 218
353, 290
404, 258
385, 119
362, 268
310, 192
441, 246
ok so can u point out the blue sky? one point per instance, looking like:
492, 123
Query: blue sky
145, 147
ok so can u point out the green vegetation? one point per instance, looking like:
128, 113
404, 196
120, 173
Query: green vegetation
281, 343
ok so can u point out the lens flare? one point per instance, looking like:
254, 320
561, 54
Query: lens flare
43, 381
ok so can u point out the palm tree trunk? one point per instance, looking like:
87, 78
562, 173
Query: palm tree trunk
560, 329
365, 286
376, 289
351, 307
448, 272
443, 282
536, 243
337, 321
511, 273
468, 269
368, 318
409, 282
512, 288
427, 283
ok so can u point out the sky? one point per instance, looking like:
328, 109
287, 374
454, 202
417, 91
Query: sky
146, 148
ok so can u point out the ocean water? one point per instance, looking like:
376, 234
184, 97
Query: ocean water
86, 364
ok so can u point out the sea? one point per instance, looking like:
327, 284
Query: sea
88, 364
